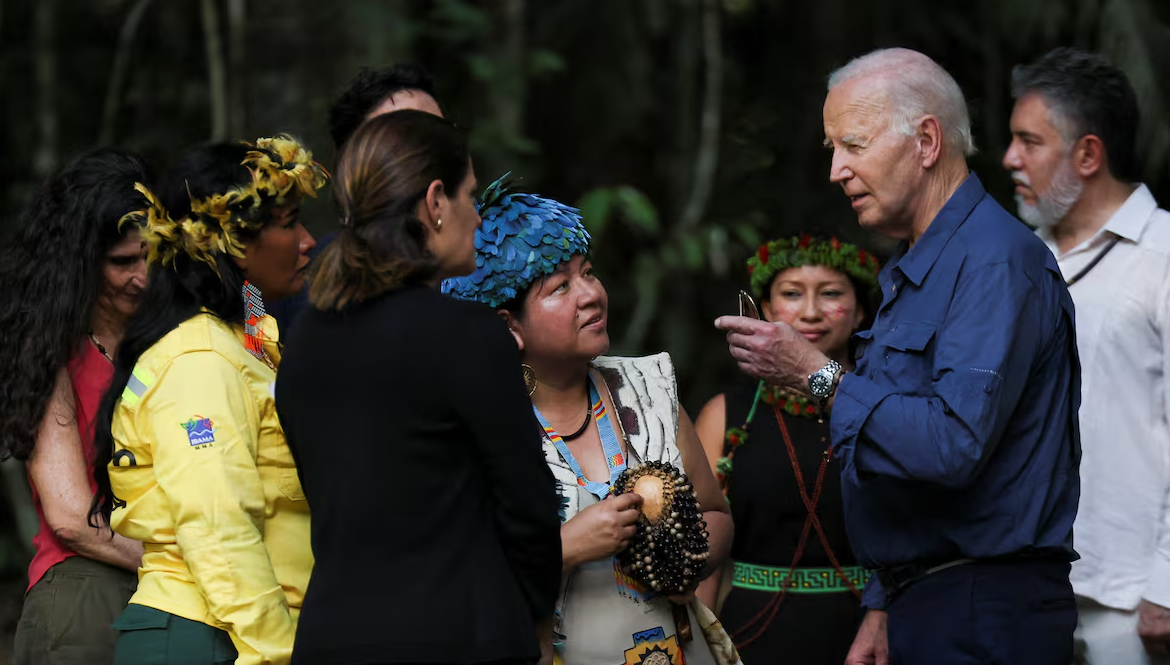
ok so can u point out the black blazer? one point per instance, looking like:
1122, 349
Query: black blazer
434, 515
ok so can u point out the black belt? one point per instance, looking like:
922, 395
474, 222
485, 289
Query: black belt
896, 579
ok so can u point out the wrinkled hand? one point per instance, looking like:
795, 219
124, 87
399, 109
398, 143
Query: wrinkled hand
1154, 628
771, 351
601, 530
871, 646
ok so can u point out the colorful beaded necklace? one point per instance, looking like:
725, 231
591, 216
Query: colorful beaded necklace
782, 399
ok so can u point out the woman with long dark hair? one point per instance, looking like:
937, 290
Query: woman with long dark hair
69, 281
434, 515
191, 457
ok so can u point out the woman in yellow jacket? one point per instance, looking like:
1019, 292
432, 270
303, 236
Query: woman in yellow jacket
192, 460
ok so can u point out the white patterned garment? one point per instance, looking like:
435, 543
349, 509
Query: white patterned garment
600, 626
646, 398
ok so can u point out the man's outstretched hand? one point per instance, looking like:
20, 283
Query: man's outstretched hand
771, 351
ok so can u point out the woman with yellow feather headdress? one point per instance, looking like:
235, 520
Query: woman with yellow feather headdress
191, 459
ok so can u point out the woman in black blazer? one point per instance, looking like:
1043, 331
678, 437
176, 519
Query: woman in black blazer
435, 525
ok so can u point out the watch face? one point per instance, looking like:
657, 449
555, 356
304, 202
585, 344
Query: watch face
819, 384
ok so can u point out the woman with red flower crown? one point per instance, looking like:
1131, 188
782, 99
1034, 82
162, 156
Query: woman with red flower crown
792, 589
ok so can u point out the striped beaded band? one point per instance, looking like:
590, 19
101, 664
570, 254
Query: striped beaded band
803, 580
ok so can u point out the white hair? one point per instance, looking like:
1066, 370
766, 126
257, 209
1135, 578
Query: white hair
914, 86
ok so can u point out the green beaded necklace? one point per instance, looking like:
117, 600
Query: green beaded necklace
783, 399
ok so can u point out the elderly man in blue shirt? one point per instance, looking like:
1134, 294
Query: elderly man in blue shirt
957, 433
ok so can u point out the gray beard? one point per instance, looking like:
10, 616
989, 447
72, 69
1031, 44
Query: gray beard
1054, 204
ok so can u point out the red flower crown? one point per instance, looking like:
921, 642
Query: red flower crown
776, 256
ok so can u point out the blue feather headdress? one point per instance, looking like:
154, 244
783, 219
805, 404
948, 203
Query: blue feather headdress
523, 238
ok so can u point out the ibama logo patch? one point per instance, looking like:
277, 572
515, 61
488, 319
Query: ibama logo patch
200, 430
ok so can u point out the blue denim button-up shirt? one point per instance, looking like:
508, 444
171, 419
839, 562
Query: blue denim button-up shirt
957, 434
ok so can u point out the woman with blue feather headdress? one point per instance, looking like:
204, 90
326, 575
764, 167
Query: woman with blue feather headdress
642, 516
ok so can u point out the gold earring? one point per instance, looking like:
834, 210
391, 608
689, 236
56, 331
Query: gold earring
529, 378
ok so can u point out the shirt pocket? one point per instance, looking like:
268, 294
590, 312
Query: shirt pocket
908, 359
279, 469
860, 342
276, 462
289, 480
143, 633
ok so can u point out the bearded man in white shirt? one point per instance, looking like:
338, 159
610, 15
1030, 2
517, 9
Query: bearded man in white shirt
1073, 160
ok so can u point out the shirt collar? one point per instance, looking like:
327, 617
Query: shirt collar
1128, 222
1131, 218
919, 259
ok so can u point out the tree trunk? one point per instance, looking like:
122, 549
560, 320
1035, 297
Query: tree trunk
119, 72
994, 72
1, 42
510, 106
686, 35
648, 277
237, 33
216, 74
707, 160
45, 57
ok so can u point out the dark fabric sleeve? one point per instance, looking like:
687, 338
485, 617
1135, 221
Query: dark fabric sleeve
873, 597
489, 396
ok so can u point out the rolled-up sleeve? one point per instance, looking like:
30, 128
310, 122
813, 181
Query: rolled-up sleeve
205, 433
984, 353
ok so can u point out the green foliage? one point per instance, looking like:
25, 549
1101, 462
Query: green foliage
627, 204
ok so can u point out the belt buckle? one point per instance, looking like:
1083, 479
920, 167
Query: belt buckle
896, 578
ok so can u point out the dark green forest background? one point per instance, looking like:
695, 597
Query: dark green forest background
686, 130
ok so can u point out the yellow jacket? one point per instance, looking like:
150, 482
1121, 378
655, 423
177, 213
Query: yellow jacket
202, 475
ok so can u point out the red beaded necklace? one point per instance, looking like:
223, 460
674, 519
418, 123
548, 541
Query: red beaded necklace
781, 399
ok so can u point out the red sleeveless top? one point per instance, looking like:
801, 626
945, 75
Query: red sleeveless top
90, 374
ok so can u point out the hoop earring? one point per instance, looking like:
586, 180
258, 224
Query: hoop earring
529, 378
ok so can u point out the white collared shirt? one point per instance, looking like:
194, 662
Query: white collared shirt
1122, 530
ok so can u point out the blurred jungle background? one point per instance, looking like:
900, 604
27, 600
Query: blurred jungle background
686, 130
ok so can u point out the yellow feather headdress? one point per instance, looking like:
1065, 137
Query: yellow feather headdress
279, 166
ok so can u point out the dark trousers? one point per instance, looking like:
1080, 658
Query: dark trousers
153, 637
1019, 612
67, 615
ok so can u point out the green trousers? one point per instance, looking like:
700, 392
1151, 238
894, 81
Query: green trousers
153, 637
67, 614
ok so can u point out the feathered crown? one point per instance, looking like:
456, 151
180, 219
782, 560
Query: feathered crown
523, 238
279, 166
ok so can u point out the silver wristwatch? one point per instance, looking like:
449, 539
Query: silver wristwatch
824, 381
